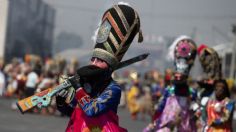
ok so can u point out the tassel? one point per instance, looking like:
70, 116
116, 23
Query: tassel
140, 36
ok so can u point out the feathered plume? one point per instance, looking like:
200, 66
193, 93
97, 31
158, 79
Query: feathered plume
94, 37
123, 3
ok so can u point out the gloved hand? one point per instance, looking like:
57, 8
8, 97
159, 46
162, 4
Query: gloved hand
61, 97
65, 96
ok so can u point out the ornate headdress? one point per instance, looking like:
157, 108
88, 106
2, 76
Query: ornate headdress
210, 62
185, 51
119, 26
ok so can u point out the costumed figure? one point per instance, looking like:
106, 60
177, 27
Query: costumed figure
21, 80
211, 65
122, 81
168, 77
174, 109
96, 101
220, 110
2, 78
162, 93
133, 95
154, 83
72, 66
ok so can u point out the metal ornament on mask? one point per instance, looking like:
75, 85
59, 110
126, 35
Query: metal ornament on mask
182, 66
103, 32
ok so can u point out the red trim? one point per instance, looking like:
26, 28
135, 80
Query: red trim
80, 94
200, 48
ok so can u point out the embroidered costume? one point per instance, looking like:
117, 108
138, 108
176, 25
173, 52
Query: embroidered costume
96, 101
219, 115
220, 109
211, 65
174, 111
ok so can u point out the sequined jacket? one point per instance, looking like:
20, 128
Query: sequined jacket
169, 91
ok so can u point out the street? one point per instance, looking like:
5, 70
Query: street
14, 121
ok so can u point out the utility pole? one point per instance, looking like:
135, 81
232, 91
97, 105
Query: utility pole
232, 67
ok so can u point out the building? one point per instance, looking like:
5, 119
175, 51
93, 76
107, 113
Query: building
226, 53
26, 28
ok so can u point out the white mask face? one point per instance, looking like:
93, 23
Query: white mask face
185, 52
182, 66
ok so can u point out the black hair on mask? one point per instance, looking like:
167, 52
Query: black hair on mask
92, 73
226, 89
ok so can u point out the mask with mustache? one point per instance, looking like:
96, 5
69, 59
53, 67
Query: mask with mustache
94, 78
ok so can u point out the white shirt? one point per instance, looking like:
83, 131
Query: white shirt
2, 83
32, 80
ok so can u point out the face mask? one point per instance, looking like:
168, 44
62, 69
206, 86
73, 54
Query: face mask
93, 77
90, 71
184, 53
181, 66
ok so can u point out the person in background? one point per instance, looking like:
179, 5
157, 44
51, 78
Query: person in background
168, 77
133, 95
220, 110
211, 65
32, 81
2, 78
174, 111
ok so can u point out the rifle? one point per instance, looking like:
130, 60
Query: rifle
43, 99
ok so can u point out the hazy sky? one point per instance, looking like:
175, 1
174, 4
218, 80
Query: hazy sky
209, 21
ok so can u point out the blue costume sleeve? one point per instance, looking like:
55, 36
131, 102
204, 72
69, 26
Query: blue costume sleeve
193, 94
109, 99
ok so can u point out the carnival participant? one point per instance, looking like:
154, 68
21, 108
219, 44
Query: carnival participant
175, 113
133, 95
98, 97
220, 110
2, 78
211, 65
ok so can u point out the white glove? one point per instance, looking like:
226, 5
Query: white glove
65, 96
